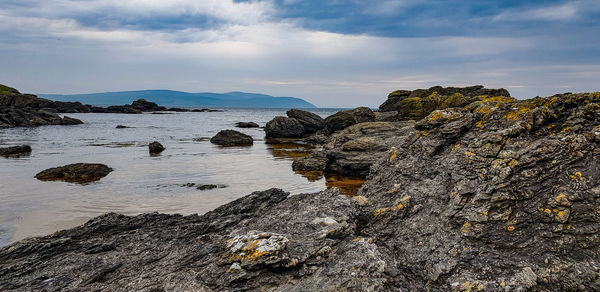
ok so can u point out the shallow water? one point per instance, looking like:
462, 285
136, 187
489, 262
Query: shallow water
140, 183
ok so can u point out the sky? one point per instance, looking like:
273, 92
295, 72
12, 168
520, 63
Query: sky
331, 53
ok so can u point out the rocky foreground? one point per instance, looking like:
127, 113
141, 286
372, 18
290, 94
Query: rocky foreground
495, 195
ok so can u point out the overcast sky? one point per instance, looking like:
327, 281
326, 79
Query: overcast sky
329, 52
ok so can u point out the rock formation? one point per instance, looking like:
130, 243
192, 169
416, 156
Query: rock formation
232, 138
77, 172
15, 150
498, 195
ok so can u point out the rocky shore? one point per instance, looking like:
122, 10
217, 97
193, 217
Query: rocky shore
18, 110
489, 194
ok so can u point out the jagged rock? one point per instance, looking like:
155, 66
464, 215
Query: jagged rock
15, 150
419, 103
282, 127
246, 125
155, 147
499, 195
77, 172
347, 118
353, 150
311, 122
232, 138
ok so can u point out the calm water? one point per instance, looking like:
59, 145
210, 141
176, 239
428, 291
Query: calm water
139, 183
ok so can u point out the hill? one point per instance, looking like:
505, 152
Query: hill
185, 99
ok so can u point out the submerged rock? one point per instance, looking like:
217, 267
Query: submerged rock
15, 150
77, 172
232, 138
155, 147
246, 125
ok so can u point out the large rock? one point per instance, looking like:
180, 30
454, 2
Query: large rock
499, 195
310, 121
347, 118
419, 103
352, 151
282, 127
15, 150
232, 138
77, 172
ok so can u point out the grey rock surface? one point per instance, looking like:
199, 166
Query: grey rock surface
231, 138
284, 127
499, 195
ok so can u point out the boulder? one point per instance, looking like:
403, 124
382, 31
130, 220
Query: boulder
347, 118
282, 127
77, 172
232, 138
155, 147
310, 121
15, 150
246, 125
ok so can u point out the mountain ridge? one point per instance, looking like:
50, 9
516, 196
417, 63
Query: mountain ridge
185, 99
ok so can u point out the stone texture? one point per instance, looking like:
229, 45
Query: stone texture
77, 172
232, 138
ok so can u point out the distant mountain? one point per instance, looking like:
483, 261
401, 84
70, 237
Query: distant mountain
170, 98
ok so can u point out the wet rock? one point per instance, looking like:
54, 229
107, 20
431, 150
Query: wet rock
77, 172
15, 150
499, 195
282, 127
352, 151
209, 187
310, 121
232, 138
246, 125
66, 120
155, 147
121, 127
347, 118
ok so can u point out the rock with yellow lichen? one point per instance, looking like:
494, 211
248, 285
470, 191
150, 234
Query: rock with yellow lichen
497, 195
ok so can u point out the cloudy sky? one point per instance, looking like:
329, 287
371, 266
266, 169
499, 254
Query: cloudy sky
329, 52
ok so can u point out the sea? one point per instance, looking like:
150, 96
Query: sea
140, 182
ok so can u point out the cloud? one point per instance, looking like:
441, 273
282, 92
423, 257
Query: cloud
563, 12
68, 46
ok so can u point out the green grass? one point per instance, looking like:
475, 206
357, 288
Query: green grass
5, 90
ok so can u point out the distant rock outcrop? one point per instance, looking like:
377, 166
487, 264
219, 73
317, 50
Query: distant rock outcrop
18, 110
